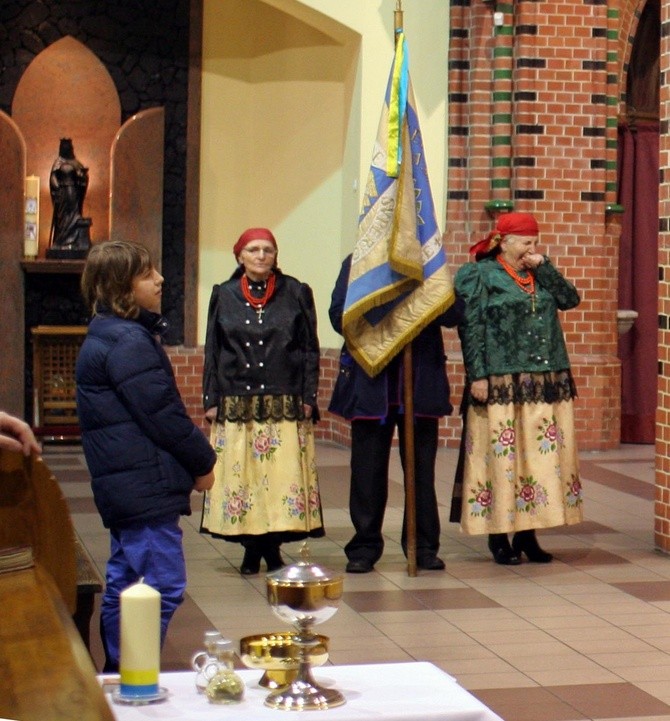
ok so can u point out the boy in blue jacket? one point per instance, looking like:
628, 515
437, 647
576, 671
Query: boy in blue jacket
144, 453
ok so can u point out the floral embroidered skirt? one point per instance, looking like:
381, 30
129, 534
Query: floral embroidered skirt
265, 481
520, 465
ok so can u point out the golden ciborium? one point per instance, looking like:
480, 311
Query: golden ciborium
304, 594
276, 654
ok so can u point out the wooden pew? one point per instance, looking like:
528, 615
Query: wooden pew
89, 584
34, 512
46, 672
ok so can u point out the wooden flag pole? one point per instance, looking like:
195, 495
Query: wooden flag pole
408, 425
409, 465
397, 16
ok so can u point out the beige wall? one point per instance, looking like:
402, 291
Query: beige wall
292, 94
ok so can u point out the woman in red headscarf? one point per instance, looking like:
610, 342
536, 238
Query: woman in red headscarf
518, 462
260, 381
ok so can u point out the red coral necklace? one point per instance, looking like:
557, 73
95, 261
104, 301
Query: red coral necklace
526, 284
258, 303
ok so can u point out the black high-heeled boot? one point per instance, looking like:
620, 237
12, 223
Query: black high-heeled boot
502, 552
251, 563
526, 542
273, 558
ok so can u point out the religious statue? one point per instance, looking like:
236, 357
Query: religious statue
68, 182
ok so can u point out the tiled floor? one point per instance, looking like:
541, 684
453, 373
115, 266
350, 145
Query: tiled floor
585, 637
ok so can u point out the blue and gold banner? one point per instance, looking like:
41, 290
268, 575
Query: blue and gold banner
399, 280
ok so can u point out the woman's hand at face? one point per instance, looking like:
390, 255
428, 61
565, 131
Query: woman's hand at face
480, 390
532, 260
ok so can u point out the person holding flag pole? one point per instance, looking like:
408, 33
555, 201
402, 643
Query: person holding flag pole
392, 297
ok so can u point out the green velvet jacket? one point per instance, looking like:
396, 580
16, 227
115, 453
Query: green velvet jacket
504, 331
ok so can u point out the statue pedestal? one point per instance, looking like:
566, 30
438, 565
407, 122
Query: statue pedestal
79, 248
66, 253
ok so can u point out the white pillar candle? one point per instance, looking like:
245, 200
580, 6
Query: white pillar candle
139, 661
32, 216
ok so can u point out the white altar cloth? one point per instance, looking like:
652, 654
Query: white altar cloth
416, 691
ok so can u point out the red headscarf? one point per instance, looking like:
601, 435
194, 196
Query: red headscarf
506, 224
253, 234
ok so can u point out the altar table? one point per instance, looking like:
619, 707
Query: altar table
416, 691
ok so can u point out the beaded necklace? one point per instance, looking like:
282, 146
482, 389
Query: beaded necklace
258, 303
526, 284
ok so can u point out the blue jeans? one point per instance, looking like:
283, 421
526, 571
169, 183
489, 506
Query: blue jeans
152, 551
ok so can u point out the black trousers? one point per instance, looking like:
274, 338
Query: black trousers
370, 453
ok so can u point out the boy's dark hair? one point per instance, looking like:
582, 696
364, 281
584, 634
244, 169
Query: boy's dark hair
107, 280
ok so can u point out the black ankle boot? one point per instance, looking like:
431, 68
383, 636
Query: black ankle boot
526, 542
251, 563
273, 558
502, 551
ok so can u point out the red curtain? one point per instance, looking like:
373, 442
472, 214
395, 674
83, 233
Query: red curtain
638, 170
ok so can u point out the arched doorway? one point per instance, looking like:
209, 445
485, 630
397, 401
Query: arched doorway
638, 172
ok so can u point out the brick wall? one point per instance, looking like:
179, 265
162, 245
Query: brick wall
187, 364
662, 508
532, 126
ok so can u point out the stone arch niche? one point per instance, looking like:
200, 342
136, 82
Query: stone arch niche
67, 92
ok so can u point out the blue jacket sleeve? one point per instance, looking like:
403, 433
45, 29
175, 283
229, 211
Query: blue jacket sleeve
339, 296
454, 314
141, 373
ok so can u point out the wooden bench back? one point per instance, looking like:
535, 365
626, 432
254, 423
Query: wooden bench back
46, 673
34, 512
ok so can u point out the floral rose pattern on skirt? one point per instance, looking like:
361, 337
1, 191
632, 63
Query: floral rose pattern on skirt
551, 436
265, 479
298, 505
504, 440
531, 496
521, 471
236, 503
574, 494
481, 499
265, 441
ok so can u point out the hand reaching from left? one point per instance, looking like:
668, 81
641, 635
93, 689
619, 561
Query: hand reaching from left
17, 435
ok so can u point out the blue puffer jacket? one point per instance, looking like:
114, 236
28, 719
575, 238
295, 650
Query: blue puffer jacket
142, 449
